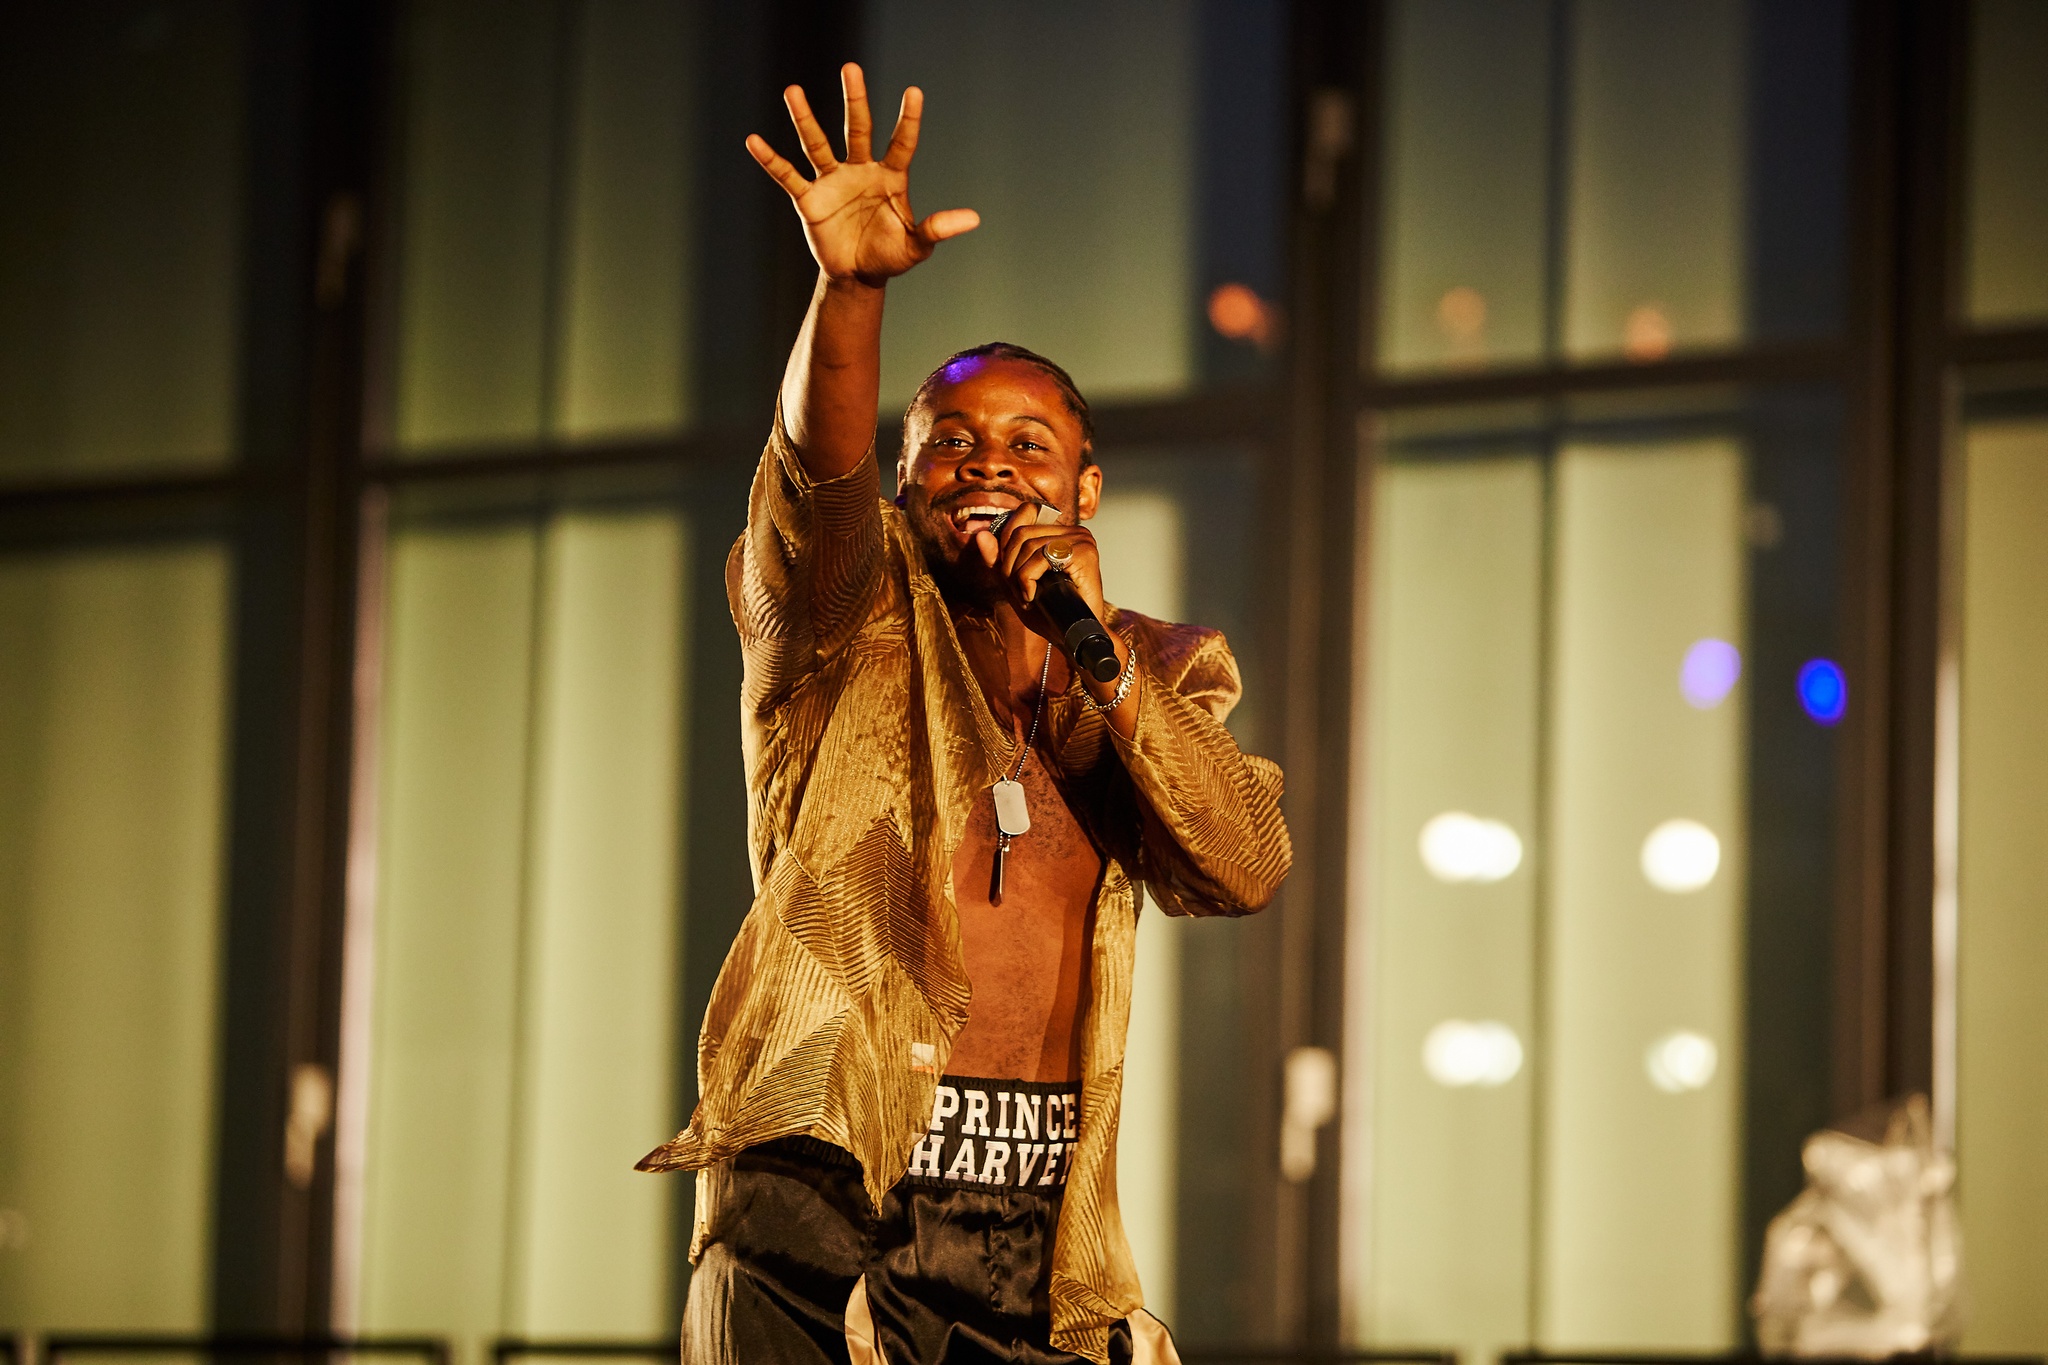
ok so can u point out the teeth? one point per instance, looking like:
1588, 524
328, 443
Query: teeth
965, 513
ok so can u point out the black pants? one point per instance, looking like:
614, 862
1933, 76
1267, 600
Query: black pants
953, 1274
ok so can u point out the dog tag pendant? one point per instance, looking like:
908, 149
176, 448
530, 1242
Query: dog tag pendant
1012, 819
1012, 816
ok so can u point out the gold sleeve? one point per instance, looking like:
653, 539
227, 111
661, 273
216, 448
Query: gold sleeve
1213, 841
804, 572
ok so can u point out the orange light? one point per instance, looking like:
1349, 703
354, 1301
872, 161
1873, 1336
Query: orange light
1237, 312
1461, 313
1647, 333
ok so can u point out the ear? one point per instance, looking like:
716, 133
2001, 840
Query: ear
1088, 491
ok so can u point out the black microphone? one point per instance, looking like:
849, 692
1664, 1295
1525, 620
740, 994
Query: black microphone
1087, 643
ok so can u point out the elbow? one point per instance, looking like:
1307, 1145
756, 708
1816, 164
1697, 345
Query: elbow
1267, 877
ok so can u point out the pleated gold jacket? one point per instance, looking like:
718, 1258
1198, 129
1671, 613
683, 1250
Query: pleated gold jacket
867, 739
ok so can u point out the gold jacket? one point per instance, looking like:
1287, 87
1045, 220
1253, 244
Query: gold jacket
866, 739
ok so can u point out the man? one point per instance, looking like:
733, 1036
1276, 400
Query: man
911, 1065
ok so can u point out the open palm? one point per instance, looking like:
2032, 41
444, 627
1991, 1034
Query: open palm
856, 214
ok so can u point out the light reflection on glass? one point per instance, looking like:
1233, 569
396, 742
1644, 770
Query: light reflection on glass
1823, 690
1457, 847
1682, 1061
1646, 333
1710, 671
1465, 1052
1681, 855
1236, 311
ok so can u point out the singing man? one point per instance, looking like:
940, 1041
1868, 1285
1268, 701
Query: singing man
912, 1062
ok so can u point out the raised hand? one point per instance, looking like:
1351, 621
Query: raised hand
856, 214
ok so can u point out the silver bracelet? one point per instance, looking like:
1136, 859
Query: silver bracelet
1123, 683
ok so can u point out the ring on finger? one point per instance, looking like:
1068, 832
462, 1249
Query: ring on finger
1059, 554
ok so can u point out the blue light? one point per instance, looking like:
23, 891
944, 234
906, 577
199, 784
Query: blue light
1709, 672
1823, 691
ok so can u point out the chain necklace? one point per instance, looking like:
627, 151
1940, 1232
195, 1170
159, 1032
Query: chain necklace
1012, 816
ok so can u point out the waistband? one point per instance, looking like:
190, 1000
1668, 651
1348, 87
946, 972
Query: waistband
990, 1134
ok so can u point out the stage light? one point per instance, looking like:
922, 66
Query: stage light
1681, 1061
1681, 855
1709, 672
1465, 1052
1457, 847
1823, 690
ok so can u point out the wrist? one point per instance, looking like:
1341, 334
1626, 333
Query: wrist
1119, 689
851, 286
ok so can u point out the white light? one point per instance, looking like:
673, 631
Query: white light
1681, 855
1457, 847
1682, 1061
1462, 1052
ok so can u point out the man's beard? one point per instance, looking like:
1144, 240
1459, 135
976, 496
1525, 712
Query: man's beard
964, 581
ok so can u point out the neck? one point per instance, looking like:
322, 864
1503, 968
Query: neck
1006, 655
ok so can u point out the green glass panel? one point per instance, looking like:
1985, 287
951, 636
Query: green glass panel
1141, 537
546, 228
474, 238
113, 700
2002, 934
1070, 128
1438, 1119
1543, 1112
1642, 1025
2006, 243
627, 344
525, 1038
1462, 258
121, 149
1654, 235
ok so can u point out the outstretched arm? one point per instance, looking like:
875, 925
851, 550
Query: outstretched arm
857, 219
802, 578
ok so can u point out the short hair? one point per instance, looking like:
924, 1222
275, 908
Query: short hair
1005, 350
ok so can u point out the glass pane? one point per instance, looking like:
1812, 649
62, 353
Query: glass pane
121, 146
545, 286
2002, 1023
1591, 929
1642, 963
1185, 1166
526, 1025
1125, 162
1463, 254
2007, 238
1439, 1120
113, 701
1654, 232
1143, 551
1696, 171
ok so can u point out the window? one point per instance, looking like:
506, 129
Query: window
1593, 826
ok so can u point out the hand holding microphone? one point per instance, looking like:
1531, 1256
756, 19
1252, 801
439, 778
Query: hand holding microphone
1053, 591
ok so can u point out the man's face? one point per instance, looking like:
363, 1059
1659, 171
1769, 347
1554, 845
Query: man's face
992, 436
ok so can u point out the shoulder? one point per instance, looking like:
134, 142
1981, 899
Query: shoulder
1194, 661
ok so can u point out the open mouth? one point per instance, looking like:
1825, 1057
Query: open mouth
980, 512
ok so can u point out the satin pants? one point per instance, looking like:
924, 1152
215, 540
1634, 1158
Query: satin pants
947, 1276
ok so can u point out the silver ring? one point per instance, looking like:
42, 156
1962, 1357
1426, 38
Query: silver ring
1059, 554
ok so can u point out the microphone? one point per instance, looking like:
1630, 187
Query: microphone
1086, 642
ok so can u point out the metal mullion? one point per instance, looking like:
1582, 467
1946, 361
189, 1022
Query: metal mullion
1767, 364
1998, 345
1313, 516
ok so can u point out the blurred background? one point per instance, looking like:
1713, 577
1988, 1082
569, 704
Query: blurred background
1613, 434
